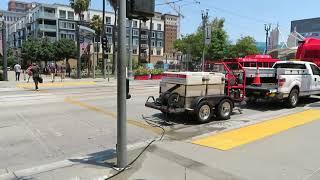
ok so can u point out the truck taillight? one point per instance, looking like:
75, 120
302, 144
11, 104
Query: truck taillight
281, 82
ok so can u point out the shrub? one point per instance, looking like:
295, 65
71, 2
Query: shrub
156, 71
141, 71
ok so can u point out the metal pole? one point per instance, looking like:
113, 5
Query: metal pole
150, 34
204, 23
139, 56
121, 83
103, 34
78, 52
130, 49
267, 29
5, 55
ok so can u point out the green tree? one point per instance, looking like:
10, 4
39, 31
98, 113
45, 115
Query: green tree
64, 49
46, 52
96, 24
29, 50
244, 46
190, 44
79, 7
217, 49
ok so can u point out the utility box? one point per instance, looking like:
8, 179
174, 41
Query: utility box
140, 9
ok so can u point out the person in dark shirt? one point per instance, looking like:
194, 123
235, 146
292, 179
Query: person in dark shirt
35, 74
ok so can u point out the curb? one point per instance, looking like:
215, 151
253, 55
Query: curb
28, 172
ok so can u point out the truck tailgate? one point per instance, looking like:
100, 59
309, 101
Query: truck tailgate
261, 90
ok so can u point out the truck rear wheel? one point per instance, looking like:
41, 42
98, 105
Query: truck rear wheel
224, 109
204, 112
293, 98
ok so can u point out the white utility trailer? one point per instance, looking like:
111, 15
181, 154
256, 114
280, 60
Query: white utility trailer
202, 93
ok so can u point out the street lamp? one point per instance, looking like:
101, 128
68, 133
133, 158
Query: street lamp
4, 47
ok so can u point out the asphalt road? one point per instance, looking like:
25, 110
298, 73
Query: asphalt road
57, 123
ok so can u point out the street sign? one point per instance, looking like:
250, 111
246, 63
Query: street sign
208, 35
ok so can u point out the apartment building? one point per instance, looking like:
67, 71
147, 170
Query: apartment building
19, 6
56, 21
171, 33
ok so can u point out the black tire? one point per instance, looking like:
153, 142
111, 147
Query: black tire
293, 98
224, 109
204, 112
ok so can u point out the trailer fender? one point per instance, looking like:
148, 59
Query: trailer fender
213, 100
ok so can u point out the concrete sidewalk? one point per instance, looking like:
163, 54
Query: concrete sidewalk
157, 162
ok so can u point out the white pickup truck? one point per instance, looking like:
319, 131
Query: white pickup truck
290, 80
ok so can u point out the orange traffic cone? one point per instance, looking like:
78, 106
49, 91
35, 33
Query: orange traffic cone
256, 79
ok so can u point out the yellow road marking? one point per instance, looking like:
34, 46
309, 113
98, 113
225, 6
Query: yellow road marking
234, 138
56, 84
113, 115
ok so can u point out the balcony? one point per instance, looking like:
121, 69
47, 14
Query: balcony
46, 15
47, 27
143, 36
144, 46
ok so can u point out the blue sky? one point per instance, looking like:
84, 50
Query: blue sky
245, 17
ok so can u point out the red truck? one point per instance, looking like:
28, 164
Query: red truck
309, 50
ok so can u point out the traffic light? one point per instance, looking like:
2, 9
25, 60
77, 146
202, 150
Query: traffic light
105, 43
140, 9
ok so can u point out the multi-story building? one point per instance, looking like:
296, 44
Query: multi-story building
19, 6
307, 27
56, 21
171, 32
273, 39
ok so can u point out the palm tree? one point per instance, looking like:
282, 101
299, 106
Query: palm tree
79, 6
114, 5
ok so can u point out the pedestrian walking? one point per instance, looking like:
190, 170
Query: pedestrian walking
62, 71
17, 70
36, 75
53, 71
68, 69
29, 72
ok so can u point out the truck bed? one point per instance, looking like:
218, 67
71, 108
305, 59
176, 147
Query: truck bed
261, 91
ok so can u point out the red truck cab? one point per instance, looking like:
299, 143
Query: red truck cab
309, 50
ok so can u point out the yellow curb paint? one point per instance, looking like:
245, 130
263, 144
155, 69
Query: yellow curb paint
113, 115
234, 138
56, 84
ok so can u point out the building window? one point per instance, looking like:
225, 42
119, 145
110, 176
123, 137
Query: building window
158, 52
153, 34
153, 43
159, 27
135, 32
109, 30
62, 14
108, 20
159, 44
159, 35
135, 24
135, 51
70, 15
135, 42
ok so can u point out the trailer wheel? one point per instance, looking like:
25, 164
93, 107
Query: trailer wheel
293, 98
204, 112
224, 109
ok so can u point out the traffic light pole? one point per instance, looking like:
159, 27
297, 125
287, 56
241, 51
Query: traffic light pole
121, 84
103, 34
130, 49
5, 54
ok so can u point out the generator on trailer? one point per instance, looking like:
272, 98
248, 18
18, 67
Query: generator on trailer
202, 93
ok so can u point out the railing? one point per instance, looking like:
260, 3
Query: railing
47, 26
46, 15
143, 36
